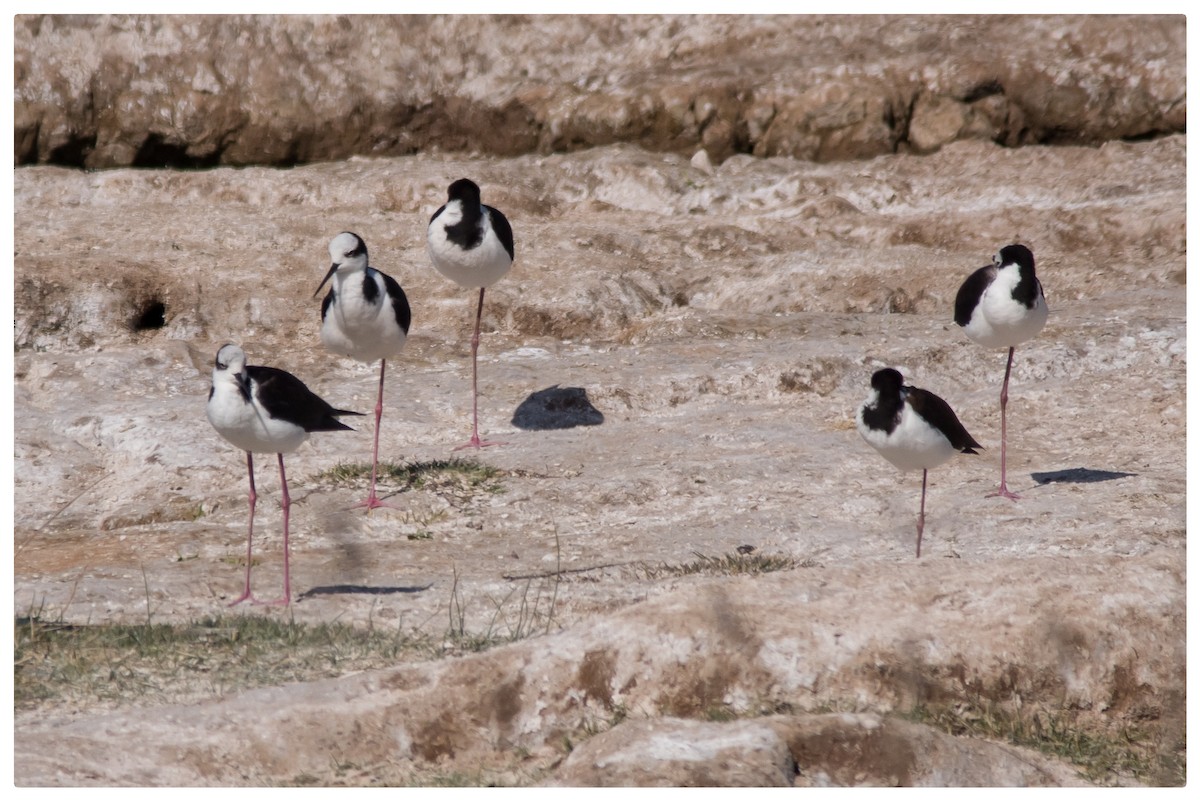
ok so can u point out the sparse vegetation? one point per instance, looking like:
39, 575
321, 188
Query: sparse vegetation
421, 520
732, 564
533, 614
59, 665
1103, 759
456, 480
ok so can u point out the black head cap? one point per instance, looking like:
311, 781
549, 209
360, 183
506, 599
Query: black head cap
464, 189
887, 381
1018, 255
360, 247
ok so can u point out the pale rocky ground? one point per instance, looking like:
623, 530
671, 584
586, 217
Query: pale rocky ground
724, 320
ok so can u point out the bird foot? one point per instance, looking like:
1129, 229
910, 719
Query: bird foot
245, 596
373, 502
1003, 492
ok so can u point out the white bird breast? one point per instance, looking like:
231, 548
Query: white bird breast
363, 331
1001, 322
245, 426
912, 445
477, 268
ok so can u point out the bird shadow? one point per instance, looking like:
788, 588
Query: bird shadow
556, 407
1078, 475
358, 589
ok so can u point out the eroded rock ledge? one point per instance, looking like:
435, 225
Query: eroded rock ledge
173, 91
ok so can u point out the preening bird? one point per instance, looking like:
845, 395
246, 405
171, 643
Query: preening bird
912, 428
471, 244
1002, 305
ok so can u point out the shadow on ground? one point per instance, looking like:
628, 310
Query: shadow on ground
556, 407
1078, 475
358, 589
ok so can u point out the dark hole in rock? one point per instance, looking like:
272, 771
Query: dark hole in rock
156, 152
72, 153
153, 315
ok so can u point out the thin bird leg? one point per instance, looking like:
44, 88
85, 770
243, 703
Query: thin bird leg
250, 535
921, 516
475, 372
372, 501
1004, 492
287, 574
475, 441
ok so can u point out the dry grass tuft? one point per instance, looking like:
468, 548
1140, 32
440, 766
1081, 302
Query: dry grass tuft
456, 480
733, 564
1103, 758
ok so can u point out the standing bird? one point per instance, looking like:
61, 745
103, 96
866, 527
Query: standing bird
1001, 306
911, 428
472, 244
364, 316
265, 410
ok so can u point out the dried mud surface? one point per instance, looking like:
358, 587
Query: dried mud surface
717, 327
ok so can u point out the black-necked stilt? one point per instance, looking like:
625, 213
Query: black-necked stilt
471, 244
911, 428
364, 316
1001, 306
265, 410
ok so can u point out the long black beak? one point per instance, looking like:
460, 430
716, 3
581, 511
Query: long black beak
325, 280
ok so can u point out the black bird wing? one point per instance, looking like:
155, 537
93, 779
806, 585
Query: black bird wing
503, 230
285, 397
399, 302
938, 414
1027, 291
325, 304
971, 291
